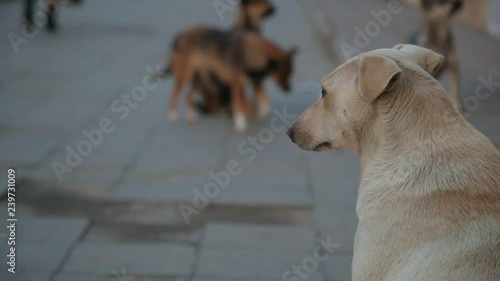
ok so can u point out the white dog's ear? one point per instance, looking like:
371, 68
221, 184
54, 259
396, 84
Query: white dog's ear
429, 60
377, 74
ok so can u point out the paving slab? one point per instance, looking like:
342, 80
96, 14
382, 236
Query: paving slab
27, 277
42, 242
43, 229
115, 276
13, 104
54, 115
24, 149
116, 150
155, 259
35, 256
271, 179
142, 233
340, 226
258, 237
176, 152
244, 188
338, 268
250, 264
242, 195
335, 178
84, 179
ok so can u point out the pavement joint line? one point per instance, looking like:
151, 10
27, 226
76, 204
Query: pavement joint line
64, 141
125, 171
69, 251
197, 254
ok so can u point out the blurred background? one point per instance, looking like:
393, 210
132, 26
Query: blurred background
108, 189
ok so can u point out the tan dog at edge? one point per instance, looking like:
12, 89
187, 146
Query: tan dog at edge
429, 194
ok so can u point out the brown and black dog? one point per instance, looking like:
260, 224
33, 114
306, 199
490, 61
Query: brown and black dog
215, 94
235, 58
437, 36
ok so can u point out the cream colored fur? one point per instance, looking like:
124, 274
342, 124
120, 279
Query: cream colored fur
429, 194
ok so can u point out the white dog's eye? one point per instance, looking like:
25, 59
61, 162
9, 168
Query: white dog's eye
323, 93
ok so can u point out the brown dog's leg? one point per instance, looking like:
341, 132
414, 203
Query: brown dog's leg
28, 12
51, 14
191, 115
263, 105
183, 73
239, 107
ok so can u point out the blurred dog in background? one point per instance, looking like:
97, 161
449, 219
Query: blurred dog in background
215, 96
437, 36
235, 58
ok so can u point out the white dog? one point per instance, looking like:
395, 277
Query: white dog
429, 197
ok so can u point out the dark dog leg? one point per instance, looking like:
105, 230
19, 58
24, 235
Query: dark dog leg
28, 12
51, 15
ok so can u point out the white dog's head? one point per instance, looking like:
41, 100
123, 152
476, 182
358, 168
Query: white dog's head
350, 94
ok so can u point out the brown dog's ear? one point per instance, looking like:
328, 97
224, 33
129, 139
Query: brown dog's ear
429, 60
377, 74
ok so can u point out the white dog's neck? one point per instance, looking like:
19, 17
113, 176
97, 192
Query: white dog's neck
419, 140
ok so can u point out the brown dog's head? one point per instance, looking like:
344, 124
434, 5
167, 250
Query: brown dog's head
441, 9
252, 12
258, 8
350, 95
282, 69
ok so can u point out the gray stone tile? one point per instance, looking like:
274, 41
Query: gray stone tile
340, 226
269, 180
114, 275
250, 265
32, 256
224, 279
3, 190
335, 178
157, 192
42, 242
12, 105
84, 179
42, 229
111, 232
338, 268
28, 276
39, 87
116, 149
247, 197
258, 237
148, 114
22, 172
24, 149
177, 152
210, 126
271, 156
280, 187
138, 259
66, 116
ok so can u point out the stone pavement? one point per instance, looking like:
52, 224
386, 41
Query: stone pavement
117, 214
